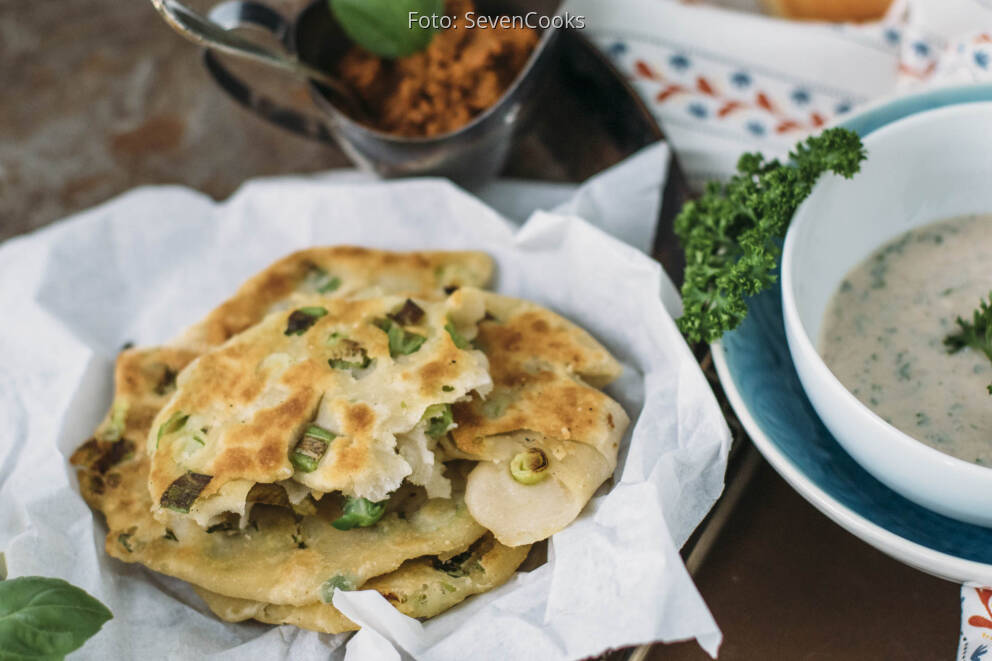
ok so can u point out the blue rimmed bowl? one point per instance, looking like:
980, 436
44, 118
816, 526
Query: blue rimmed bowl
762, 384
927, 167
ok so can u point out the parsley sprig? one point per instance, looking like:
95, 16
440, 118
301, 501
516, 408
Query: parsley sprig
732, 234
977, 334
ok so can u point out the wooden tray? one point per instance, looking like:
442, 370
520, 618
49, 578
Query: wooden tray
591, 118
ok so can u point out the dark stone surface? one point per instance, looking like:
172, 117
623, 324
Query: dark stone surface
100, 96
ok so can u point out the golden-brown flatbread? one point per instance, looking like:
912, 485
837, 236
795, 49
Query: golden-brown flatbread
421, 588
358, 371
541, 409
113, 465
540, 443
339, 271
281, 557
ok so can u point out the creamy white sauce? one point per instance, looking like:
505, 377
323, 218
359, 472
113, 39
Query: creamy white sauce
883, 333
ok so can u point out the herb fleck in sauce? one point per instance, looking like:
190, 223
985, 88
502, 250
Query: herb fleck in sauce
883, 332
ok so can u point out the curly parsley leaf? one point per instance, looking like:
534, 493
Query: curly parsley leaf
731, 234
976, 334
46, 618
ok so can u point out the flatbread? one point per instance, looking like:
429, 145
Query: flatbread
420, 588
541, 366
241, 410
286, 561
281, 557
338, 271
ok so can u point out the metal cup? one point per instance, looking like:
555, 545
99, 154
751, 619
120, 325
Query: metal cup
469, 154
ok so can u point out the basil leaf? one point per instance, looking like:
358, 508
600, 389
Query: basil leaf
46, 618
383, 26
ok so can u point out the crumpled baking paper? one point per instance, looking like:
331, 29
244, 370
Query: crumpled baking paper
145, 265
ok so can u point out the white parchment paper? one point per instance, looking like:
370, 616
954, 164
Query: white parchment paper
145, 265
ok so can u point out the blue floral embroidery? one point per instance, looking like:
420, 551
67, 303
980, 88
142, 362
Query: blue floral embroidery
617, 48
978, 653
921, 48
800, 96
892, 36
982, 59
698, 110
741, 79
843, 107
756, 128
679, 62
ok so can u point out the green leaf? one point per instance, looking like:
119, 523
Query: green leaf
732, 234
439, 420
46, 618
359, 513
401, 342
976, 334
383, 26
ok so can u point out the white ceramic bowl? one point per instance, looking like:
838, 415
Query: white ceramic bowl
928, 167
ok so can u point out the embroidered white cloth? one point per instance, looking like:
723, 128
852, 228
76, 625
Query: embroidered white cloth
723, 82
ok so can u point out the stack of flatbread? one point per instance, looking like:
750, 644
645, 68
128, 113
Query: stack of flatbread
353, 419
